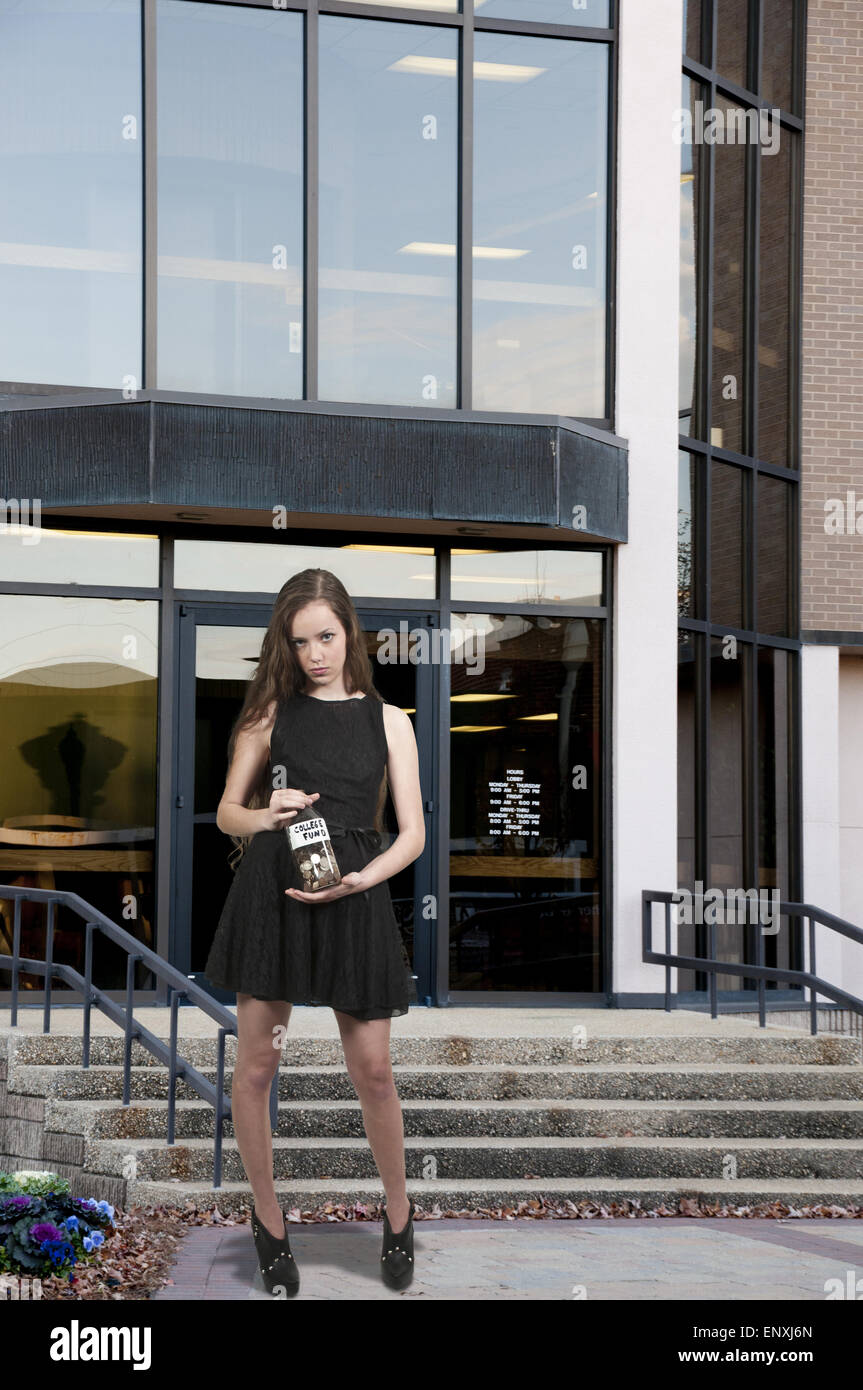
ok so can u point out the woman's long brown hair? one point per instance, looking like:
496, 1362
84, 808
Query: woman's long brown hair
279, 675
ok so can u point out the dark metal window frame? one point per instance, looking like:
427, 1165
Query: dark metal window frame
466, 24
711, 81
169, 597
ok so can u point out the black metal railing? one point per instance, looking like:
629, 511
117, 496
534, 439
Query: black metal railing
179, 987
757, 970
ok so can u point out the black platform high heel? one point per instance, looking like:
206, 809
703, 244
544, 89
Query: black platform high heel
397, 1259
277, 1265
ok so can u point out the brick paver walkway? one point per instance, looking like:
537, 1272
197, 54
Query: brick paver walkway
672, 1258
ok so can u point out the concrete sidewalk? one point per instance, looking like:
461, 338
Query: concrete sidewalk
673, 1258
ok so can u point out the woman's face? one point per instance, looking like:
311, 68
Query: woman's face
320, 644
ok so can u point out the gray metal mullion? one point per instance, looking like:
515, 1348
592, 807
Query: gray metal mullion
311, 185
464, 326
440, 887
150, 195
579, 32
165, 745
109, 591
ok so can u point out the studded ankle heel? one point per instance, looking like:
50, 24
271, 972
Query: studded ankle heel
277, 1265
397, 1259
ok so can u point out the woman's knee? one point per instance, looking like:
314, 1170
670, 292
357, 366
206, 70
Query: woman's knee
373, 1080
255, 1069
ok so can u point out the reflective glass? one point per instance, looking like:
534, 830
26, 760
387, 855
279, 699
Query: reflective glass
539, 264
731, 40
365, 570
776, 242
525, 817
690, 240
70, 214
31, 554
230, 150
729, 247
528, 576
78, 793
687, 599
774, 555
587, 12
779, 55
692, 17
730, 674
727, 546
775, 725
388, 212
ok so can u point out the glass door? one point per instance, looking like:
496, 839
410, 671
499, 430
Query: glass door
218, 650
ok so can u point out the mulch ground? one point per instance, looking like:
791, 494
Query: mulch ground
137, 1259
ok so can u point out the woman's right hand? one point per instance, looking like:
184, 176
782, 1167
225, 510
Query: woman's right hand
284, 806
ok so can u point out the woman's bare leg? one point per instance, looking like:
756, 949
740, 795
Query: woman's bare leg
366, 1045
259, 1050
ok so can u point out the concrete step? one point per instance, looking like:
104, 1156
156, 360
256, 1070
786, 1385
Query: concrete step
334, 1159
760, 1046
616, 1081
469, 1195
775, 1119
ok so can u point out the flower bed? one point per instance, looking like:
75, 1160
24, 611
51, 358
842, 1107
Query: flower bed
44, 1230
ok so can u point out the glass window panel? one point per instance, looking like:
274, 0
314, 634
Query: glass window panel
525, 867
729, 224
70, 215
688, 567
33, 555
775, 723
774, 302
365, 570
528, 576
388, 212
587, 12
230, 199
448, 6
727, 546
78, 750
692, 20
690, 241
778, 54
687, 684
731, 40
539, 264
774, 555
774, 769
730, 670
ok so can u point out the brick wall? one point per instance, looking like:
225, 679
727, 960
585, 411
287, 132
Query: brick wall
832, 438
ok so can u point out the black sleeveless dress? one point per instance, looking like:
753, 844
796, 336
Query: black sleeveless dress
349, 953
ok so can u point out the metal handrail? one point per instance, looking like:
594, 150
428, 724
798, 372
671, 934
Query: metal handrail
757, 971
179, 987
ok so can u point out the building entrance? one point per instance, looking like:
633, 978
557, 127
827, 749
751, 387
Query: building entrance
218, 649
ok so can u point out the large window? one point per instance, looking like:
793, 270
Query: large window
540, 209
78, 751
388, 103
70, 214
410, 212
526, 804
230, 183
738, 793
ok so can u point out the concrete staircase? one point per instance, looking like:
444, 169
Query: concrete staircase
759, 1115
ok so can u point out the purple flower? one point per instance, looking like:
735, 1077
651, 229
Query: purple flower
45, 1230
18, 1202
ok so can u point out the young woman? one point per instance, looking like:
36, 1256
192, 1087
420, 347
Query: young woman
314, 733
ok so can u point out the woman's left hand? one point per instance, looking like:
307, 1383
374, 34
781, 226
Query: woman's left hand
351, 883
